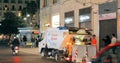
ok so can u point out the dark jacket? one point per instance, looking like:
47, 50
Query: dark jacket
15, 42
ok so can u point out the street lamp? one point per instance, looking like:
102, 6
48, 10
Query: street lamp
24, 18
28, 15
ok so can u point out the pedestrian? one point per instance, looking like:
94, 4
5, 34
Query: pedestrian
113, 39
38, 40
33, 41
24, 40
94, 41
107, 40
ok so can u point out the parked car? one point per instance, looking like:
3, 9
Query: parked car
109, 54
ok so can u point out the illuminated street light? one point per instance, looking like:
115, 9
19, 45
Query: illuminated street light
28, 15
24, 18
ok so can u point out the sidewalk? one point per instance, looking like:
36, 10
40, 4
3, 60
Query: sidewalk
29, 50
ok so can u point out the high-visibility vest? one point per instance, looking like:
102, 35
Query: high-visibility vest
94, 42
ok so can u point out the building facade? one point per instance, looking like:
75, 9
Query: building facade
102, 16
16, 6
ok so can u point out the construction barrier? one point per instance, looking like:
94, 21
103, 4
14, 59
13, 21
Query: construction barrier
83, 53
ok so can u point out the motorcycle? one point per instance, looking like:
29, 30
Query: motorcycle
16, 50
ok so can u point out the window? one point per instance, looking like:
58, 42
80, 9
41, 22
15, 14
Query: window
26, 1
44, 3
20, 7
13, 1
6, 1
54, 1
69, 19
13, 7
19, 1
5, 7
85, 18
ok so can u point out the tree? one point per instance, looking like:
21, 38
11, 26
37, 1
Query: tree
10, 24
31, 8
24, 12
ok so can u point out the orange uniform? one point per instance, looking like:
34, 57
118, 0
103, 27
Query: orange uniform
94, 41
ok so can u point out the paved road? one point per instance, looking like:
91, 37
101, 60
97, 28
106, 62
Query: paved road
27, 55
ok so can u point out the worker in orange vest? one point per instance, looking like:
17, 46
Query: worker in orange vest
94, 41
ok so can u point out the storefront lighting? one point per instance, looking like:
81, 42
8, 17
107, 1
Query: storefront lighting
84, 18
68, 20
55, 21
19, 14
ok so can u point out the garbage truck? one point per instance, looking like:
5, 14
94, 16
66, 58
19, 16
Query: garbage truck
52, 43
69, 44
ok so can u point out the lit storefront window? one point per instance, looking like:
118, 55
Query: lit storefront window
85, 18
69, 19
19, 14
56, 21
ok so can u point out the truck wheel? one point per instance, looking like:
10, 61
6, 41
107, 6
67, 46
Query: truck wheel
42, 54
56, 57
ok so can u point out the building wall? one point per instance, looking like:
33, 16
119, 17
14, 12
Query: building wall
74, 5
16, 7
66, 6
10, 5
118, 21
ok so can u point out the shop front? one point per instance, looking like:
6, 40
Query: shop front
85, 18
107, 21
69, 19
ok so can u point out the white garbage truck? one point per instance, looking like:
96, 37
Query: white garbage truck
71, 44
52, 43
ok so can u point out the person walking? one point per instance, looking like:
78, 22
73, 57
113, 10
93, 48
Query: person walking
94, 41
33, 41
24, 41
107, 40
113, 39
